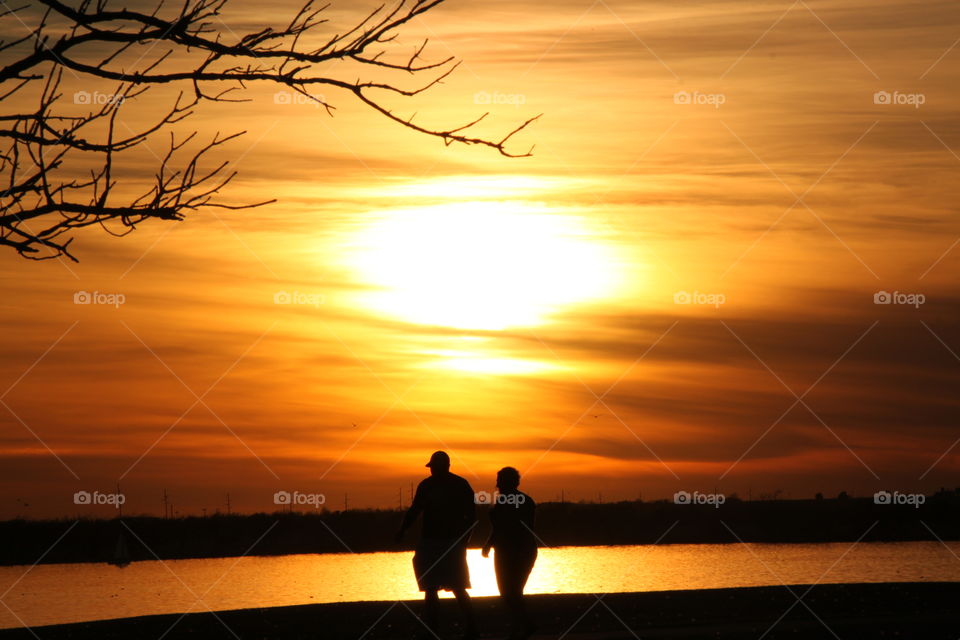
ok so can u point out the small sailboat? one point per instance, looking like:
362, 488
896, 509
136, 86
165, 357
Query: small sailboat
121, 553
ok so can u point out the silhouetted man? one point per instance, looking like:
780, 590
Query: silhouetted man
440, 562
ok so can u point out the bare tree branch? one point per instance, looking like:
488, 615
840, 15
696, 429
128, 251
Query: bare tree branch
42, 199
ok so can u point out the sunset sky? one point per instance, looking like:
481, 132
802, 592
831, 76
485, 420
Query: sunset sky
530, 311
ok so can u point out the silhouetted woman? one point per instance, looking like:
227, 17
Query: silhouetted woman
515, 548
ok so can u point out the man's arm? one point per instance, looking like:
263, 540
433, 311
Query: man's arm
416, 507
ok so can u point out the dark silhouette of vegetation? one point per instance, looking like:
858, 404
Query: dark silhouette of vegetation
558, 524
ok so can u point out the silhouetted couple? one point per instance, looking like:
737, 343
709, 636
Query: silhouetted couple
448, 505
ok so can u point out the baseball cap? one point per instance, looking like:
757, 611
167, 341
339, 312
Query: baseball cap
439, 459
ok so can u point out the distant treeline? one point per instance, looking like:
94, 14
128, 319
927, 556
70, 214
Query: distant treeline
558, 524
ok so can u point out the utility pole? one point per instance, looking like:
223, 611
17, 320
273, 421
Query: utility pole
345, 501
228, 503
166, 505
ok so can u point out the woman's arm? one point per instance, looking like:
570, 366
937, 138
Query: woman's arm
493, 531
487, 545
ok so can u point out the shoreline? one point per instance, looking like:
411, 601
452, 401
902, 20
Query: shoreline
558, 525
866, 610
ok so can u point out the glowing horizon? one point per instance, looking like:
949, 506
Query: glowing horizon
635, 309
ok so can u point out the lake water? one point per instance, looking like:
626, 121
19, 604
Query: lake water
50, 594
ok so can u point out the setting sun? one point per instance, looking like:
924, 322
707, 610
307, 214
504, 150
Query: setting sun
480, 265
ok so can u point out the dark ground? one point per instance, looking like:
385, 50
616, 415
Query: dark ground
925, 611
